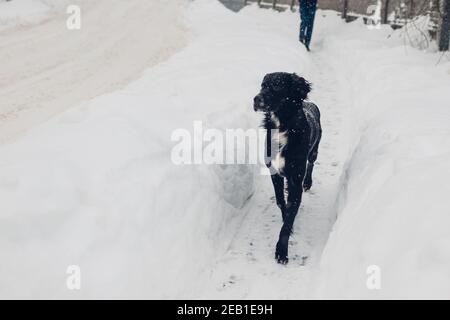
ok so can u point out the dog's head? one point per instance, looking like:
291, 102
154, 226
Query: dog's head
279, 88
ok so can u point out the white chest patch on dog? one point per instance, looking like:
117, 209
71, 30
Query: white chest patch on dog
280, 139
275, 120
278, 163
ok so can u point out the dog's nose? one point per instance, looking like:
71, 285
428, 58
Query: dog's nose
258, 103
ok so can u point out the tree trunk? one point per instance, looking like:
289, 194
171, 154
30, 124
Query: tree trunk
444, 30
385, 12
345, 10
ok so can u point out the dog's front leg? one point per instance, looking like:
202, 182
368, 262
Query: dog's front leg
278, 185
295, 191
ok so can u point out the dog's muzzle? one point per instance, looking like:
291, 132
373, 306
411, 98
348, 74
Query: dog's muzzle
258, 103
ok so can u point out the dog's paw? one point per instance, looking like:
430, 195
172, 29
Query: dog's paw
281, 254
307, 184
283, 260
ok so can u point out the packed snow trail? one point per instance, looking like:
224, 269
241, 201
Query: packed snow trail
249, 270
47, 68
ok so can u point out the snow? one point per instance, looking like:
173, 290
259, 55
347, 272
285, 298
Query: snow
27, 12
94, 186
50, 68
106, 196
393, 207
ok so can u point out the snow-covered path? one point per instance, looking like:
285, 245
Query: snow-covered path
248, 270
50, 68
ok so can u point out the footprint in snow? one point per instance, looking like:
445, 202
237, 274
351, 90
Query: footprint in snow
301, 259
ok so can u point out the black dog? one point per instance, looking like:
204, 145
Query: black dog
298, 133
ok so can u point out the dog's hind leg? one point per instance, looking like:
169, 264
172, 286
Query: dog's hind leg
312, 157
307, 182
278, 185
293, 203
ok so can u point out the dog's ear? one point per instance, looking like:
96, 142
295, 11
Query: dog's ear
299, 87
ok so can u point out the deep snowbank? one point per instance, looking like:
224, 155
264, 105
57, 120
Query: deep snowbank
394, 206
96, 187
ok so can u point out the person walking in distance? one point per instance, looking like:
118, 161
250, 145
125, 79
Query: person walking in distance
307, 15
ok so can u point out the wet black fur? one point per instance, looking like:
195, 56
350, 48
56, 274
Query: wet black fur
283, 97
